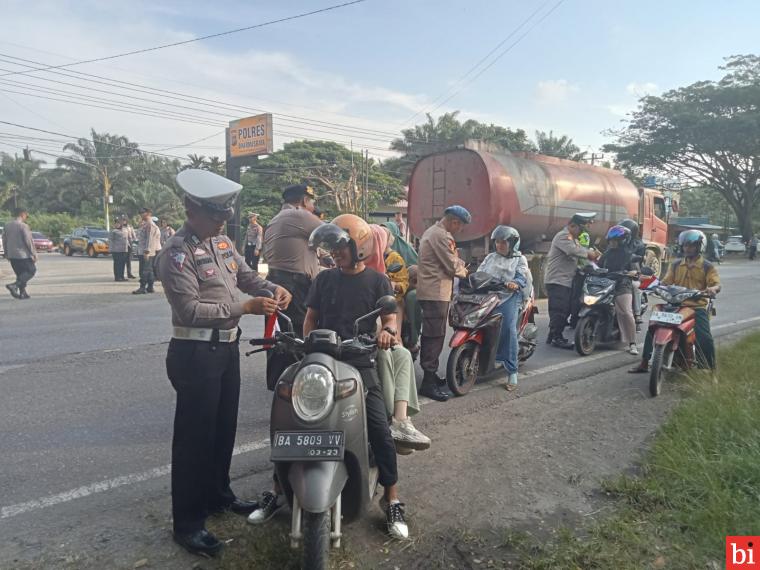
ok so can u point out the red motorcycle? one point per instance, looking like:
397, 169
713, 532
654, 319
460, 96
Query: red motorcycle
672, 326
477, 329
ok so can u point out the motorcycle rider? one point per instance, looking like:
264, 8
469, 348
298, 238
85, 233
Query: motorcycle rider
511, 267
637, 247
338, 297
692, 270
618, 258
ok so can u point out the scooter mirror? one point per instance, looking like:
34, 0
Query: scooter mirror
647, 271
386, 305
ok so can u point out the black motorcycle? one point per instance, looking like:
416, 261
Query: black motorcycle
597, 319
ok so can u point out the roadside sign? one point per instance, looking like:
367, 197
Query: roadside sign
251, 136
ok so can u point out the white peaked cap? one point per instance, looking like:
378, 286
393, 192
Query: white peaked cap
208, 189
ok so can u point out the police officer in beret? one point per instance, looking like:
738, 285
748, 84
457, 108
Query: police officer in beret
561, 264
202, 272
291, 263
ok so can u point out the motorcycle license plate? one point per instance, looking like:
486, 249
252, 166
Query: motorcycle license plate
668, 318
308, 446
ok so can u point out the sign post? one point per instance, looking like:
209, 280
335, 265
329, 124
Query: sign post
246, 140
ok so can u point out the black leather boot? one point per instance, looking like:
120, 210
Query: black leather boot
431, 389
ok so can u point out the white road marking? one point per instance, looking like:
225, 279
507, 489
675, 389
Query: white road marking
107, 485
155, 473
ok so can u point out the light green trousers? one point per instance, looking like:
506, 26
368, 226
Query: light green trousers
396, 371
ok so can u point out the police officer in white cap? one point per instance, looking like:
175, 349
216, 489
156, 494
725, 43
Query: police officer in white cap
202, 273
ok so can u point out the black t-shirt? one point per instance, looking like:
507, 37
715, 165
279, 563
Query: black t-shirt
340, 299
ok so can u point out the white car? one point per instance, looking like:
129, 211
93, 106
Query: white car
734, 244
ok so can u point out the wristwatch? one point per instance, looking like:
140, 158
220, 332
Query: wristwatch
390, 331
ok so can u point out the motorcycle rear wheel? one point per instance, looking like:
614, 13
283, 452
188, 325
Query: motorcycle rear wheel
656, 372
316, 540
585, 335
462, 368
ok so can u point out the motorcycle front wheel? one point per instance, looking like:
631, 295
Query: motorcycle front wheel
656, 371
316, 540
585, 335
462, 368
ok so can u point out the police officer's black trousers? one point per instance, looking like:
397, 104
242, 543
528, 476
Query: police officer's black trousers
147, 276
206, 377
559, 308
297, 285
24, 270
251, 258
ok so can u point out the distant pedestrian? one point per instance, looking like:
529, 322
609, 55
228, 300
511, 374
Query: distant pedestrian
149, 244
253, 240
166, 230
119, 247
131, 239
438, 264
19, 250
401, 224
753, 247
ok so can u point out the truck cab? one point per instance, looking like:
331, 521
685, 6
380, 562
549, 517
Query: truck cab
653, 227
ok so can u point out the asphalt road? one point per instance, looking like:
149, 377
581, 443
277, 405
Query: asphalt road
86, 412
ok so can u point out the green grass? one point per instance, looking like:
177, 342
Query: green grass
699, 483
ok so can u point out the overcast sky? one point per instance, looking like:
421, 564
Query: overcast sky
376, 65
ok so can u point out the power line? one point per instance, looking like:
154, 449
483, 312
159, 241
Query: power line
483, 59
220, 34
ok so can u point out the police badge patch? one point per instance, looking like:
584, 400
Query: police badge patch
178, 259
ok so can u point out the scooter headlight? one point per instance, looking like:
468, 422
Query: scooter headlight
590, 299
313, 392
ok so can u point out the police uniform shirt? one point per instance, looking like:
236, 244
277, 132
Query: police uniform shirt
201, 280
149, 238
562, 260
119, 240
286, 241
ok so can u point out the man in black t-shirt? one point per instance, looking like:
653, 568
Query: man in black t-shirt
336, 299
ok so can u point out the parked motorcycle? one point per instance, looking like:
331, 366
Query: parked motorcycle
319, 442
672, 326
477, 330
597, 318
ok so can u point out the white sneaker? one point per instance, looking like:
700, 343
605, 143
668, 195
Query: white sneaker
633, 350
268, 507
404, 431
394, 518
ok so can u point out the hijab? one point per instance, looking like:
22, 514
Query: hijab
400, 245
376, 261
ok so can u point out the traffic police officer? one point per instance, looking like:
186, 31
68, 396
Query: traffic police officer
291, 263
202, 272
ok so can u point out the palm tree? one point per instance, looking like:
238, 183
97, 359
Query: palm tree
196, 161
17, 173
561, 147
161, 198
102, 164
215, 165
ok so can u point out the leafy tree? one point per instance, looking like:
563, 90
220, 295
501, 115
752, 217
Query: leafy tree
101, 164
331, 168
17, 175
196, 161
706, 133
561, 147
448, 132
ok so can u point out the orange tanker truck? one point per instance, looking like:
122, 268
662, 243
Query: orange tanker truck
536, 194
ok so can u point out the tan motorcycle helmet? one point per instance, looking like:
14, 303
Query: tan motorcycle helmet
346, 229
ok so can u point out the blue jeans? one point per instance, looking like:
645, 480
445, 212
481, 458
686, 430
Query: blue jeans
507, 352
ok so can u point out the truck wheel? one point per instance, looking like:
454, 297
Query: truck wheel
585, 335
656, 372
652, 261
462, 368
67, 250
91, 251
316, 540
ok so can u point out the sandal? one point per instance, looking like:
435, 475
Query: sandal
639, 369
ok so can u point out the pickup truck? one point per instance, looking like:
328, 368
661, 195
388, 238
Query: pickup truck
89, 240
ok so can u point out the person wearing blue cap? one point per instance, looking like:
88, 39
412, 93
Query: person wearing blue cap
438, 264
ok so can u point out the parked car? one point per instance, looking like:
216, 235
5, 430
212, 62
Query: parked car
92, 241
735, 244
42, 242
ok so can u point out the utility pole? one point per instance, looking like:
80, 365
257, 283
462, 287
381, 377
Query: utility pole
595, 157
366, 185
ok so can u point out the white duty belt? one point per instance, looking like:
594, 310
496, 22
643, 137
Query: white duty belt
192, 333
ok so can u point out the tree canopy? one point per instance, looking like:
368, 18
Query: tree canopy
707, 134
